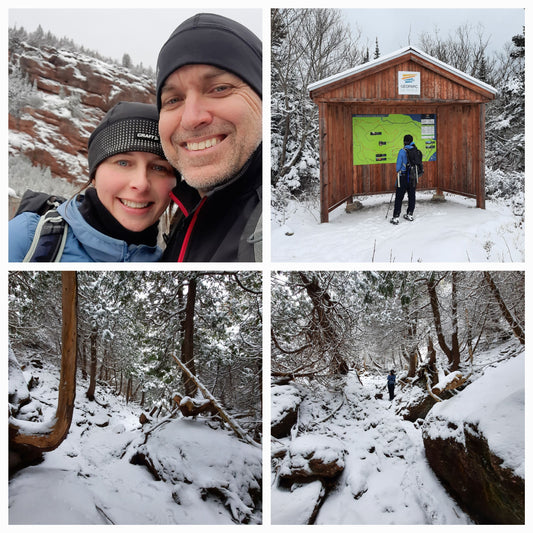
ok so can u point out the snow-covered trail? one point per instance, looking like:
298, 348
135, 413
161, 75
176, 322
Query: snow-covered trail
386, 479
90, 478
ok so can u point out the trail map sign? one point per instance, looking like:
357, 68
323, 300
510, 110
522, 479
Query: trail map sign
378, 138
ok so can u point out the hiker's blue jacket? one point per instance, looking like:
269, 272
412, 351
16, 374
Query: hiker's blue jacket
391, 379
84, 244
401, 161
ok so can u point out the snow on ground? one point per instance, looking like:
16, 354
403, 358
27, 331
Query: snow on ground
450, 231
89, 478
387, 480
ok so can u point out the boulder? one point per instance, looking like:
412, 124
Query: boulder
476, 478
311, 458
475, 443
286, 400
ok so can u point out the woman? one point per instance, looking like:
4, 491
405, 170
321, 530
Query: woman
116, 218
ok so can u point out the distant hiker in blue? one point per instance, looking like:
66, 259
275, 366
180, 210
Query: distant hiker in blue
391, 381
405, 182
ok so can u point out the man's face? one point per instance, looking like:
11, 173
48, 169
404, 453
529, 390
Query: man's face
209, 124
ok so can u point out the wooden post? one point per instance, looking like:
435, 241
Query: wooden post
324, 174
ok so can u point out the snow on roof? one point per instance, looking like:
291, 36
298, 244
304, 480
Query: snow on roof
394, 55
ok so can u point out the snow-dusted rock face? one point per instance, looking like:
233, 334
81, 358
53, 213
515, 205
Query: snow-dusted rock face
285, 402
74, 92
468, 445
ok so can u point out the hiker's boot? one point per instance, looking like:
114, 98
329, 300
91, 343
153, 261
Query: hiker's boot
394, 220
408, 216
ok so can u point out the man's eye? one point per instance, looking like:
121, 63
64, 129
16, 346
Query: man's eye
221, 88
171, 101
122, 162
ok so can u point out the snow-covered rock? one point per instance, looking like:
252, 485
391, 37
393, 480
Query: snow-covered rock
475, 443
284, 412
212, 464
312, 457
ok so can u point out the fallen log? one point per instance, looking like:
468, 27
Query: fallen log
218, 408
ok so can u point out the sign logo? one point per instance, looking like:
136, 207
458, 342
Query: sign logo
408, 82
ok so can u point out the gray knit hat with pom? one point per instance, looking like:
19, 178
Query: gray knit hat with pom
127, 127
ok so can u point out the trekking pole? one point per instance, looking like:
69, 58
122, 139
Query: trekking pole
390, 202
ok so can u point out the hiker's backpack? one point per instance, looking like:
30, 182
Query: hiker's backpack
414, 162
51, 232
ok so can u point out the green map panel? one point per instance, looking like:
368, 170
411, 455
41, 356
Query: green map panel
378, 138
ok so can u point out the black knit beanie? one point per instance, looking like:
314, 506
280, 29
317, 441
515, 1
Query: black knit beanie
211, 39
127, 127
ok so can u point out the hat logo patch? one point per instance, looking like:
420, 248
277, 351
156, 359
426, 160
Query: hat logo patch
148, 136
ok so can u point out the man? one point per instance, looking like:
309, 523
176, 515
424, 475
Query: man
391, 382
209, 96
405, 182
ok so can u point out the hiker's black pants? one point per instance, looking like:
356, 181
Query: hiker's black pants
391, 390
405, 186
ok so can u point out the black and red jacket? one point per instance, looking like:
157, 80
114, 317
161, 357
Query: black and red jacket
215, 228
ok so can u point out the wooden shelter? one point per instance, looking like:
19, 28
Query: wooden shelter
364, 113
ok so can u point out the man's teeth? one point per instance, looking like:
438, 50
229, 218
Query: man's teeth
202, 145
136, 205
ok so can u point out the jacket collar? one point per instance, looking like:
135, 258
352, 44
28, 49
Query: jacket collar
100, 247
188, 198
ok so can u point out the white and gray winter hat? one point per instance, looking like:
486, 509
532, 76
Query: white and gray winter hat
127, 127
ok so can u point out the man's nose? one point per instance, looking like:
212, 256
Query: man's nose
196, 112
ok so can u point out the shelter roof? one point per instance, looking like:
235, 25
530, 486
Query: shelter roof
408, 50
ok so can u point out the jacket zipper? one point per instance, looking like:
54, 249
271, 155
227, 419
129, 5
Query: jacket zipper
189, 231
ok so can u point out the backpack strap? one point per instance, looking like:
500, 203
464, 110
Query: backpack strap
49, 239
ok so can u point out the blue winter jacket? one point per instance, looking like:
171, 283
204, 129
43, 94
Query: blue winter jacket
391, 379
401, 161
84, 244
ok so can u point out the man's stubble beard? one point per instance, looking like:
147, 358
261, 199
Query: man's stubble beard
206, 183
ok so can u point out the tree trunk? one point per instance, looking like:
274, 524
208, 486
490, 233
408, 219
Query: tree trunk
187, 346
94, 362
513, 323
453, 353
30, 444
322, 327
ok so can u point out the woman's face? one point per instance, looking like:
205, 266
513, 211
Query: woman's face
134, 187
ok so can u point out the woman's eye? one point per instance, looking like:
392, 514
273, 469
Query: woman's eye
162, 168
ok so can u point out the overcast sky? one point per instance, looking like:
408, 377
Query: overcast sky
142, 32
113, 32
393, 26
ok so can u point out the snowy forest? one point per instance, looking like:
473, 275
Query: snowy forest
138, 395
299, 58
446, 446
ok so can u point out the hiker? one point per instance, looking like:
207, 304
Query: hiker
209, 96
391, 382
406, 181
115, 216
